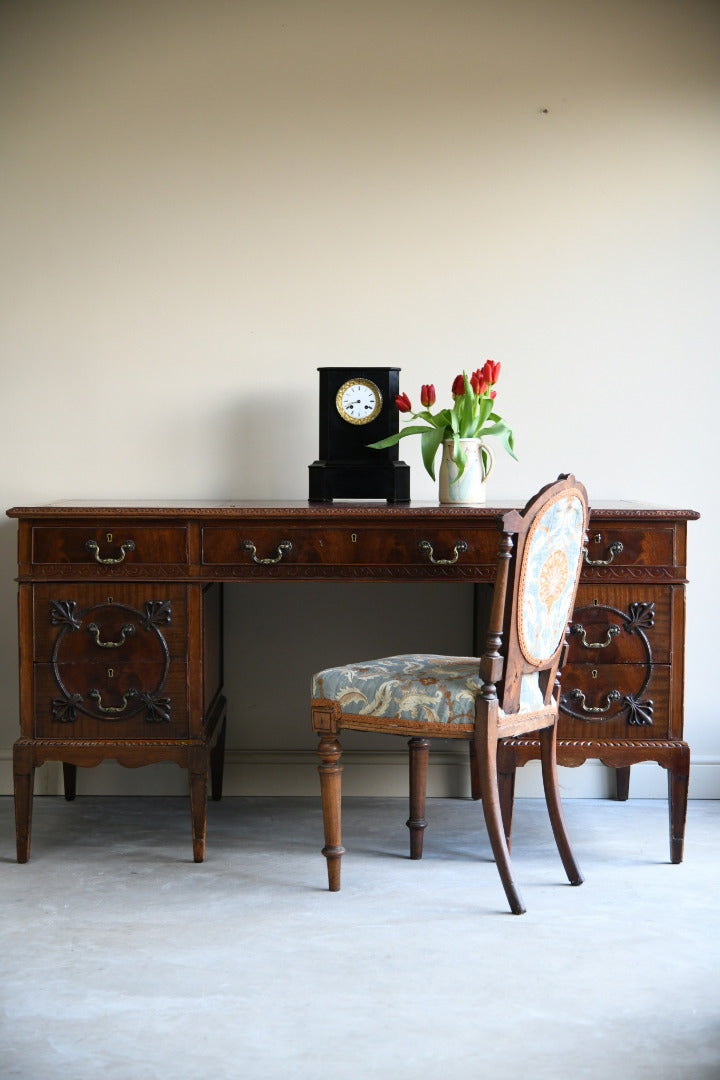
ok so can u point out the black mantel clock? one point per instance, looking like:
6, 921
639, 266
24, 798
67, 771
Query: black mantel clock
357, 407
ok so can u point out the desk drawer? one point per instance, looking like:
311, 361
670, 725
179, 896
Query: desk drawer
115, 622
611, 545
110, 545
621, 624
111, 701
614, 701
283, 548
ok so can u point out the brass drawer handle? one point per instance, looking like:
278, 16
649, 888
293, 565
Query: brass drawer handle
283, 548
94, 548
614, 549
94, 629
95, 694
426, 548
612, 631
578, 695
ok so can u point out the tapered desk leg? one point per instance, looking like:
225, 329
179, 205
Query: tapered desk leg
198, 768
622, 783
69, 780
678, 778
24, 783
217, 763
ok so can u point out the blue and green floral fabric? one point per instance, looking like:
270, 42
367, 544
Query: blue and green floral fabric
418, 687
552, 553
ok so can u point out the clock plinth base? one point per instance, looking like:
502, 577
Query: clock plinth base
344, 480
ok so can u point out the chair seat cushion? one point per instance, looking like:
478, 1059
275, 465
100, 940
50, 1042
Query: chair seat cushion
421, 687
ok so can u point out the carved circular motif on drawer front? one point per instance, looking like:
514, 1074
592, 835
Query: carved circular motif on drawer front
110, 661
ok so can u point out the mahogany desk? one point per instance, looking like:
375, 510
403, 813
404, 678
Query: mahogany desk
120, 628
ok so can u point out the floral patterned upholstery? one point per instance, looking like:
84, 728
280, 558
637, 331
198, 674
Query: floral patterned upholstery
553, 550
418, 687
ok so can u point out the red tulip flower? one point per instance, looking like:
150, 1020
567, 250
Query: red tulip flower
458, 387
478, 383
403, 403
427, 395
490, 371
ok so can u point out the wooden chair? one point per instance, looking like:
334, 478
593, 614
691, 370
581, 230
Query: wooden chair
510, 691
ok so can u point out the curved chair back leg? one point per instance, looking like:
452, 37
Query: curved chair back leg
486, 757
548, 756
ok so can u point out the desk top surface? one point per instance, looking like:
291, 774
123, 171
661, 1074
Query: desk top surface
227, 510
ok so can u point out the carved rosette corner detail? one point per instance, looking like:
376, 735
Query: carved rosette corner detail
64, 710
157, 710
641, 616
157, 613
64, 613
639, 712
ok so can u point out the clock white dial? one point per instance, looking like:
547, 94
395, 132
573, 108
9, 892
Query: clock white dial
358, 401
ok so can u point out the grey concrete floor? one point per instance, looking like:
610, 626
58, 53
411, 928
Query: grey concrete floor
123, 959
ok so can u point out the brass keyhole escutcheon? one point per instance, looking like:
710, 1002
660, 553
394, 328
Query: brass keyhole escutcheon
353, 537
108, 537
110, 673
594, 673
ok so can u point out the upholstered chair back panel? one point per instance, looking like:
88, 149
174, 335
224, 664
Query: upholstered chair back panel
553, 550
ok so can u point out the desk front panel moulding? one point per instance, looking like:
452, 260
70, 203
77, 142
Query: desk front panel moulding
106, 558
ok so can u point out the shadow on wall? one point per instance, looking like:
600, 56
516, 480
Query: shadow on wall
263, 444
306, 626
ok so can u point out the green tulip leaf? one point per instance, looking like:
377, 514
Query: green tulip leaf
429, 442
391, 440
504, 432
459, 457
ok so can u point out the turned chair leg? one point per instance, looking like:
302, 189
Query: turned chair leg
330, 752
548, 757
486, 752
416, 823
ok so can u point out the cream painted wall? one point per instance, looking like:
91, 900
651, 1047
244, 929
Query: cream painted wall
202, 202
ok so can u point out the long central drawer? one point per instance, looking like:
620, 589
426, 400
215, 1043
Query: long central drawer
282, 550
